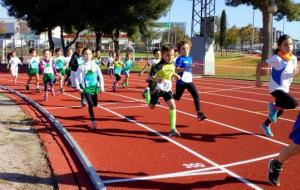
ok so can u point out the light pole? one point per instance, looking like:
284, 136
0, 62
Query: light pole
252, 42
169, 33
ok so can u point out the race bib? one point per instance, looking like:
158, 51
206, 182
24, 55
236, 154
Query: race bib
34, 65
48, 68
187, 77
165, 85
59, 64
80, 61
90, 79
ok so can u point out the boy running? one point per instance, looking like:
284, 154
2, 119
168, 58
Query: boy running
33, 60
184, 68
162, 74
118, 67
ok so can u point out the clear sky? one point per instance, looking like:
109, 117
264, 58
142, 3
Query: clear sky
181, 11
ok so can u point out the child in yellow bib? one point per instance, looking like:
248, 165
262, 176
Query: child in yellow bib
162, 73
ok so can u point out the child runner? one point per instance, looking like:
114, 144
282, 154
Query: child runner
68, 69
128, 65
110, 64
162, 73
284, 67
97, 57
88, 81
47, 67
59, 62
33, 60
77, 60
13, 63
118, 67
184, 68
275, 165
157, 58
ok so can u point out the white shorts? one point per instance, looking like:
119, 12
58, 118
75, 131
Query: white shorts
14, 71
72, 77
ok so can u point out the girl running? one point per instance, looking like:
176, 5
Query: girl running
162, 73
68, 69
184, 68
59, 62
33, 61
110, 64
47, 67
88, 81
128, 65
284, 67
13, 63
118, 67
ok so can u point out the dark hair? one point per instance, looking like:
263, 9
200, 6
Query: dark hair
85, 49
57, 50
78, 45
280, 40
182, 42
46, 50
166, 48
31, 50
155, 51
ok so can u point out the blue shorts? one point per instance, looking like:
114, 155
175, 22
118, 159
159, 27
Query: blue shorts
295, 134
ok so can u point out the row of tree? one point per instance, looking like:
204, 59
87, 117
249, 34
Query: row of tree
101, 16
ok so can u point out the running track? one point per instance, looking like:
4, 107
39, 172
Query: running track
131, 149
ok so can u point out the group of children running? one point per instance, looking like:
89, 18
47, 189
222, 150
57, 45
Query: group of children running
82, 70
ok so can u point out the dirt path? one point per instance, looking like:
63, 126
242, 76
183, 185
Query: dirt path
22, 160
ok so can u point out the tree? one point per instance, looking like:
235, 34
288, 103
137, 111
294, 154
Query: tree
245, 34
285, 8
176, 34
222, 30
231, 37
3, 28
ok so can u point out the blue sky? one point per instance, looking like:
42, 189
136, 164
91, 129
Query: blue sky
181, 11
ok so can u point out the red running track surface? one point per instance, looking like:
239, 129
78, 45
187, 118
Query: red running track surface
131, 150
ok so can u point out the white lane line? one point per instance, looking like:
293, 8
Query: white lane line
212, 121
203, 171
250, 184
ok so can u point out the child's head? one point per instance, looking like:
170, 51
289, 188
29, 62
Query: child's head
13, 53
97, 53
47, 54
79, 47
184, 47
69, 52
157, 53
167, 52
128, 55
32, 52
58, 52
87, 54
285, 44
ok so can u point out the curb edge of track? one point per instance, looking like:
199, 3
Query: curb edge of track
90, 170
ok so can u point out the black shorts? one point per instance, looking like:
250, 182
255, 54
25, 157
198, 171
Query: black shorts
155, 96
118, 77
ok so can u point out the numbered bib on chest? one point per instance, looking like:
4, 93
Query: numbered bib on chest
59, 64
80, 61
187, 77
48, 68
90, 79
34, 64
165, 86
